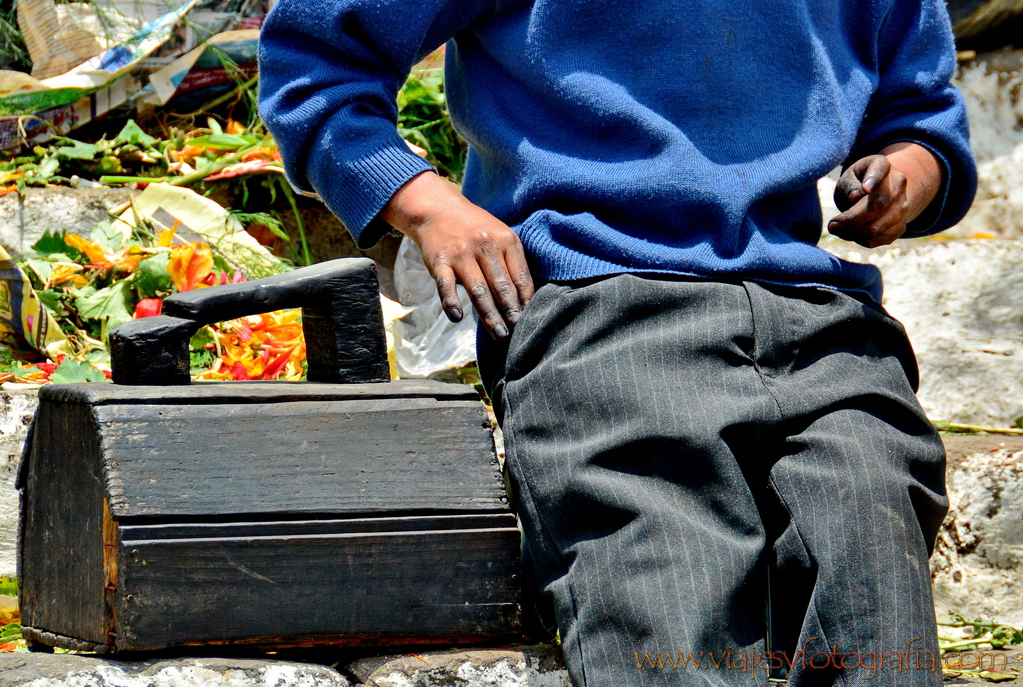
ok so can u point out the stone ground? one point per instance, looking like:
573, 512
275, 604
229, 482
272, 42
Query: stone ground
532, 667
67, 670
537, 666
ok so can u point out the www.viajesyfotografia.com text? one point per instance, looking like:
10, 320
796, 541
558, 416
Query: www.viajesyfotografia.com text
869, 664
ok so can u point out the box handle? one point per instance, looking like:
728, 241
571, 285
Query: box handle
341, 320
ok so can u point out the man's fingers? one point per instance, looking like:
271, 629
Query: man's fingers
476, 285
860, 179
847, 190
471, 278
464, 244
879, 230
877, 169
502, 289
849, 219
518, 268
448, 292
866, 210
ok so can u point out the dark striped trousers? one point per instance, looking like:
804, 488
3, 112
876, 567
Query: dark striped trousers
674, 443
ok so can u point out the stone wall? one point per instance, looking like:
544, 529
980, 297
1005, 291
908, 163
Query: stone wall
978, 560
529, 666
77, 210
16, 410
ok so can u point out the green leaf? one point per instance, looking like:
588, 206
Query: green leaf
220, 264
42, 269
152, 277
10, 631
79, 151
224, 141
200, 339
110, 165
997, 675
201, 164
267, 220
71, 371
52, 301
107, 236
200, 360
110, 306
51, 242
133, 134
9, 586
48, 167
97, 355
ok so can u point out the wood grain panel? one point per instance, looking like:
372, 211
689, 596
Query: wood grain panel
283, 528
403, 583
371, 456
63, 583
214, 393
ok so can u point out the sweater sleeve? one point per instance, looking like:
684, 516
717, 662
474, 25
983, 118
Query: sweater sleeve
914, 102
330, 71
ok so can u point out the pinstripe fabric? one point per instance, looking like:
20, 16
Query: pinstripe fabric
669, 440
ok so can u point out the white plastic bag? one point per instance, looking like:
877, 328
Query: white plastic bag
425, 340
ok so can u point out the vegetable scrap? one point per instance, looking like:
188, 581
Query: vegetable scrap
265, 347
10, 618
135, 157
977, 635
123, 271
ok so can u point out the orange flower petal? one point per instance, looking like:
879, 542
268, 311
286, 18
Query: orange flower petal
189, 264
93, 251
163, 239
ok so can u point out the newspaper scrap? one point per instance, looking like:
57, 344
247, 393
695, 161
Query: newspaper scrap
34, 111
59, 37
44, 125
25, 95
209, 18
195, 218
202, 68
23, 316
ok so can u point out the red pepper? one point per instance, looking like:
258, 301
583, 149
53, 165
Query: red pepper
48, 368
148, 307
239, 373
274, 369
214, 278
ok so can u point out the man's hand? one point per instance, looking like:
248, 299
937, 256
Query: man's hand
464, 244
880, 194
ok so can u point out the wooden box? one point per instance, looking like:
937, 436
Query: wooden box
265, 513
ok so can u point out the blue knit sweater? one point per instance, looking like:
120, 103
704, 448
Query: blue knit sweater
624, 136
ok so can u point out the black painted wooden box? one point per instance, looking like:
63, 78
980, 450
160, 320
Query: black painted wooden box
266, 513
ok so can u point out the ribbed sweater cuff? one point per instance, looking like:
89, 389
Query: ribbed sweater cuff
366, 186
